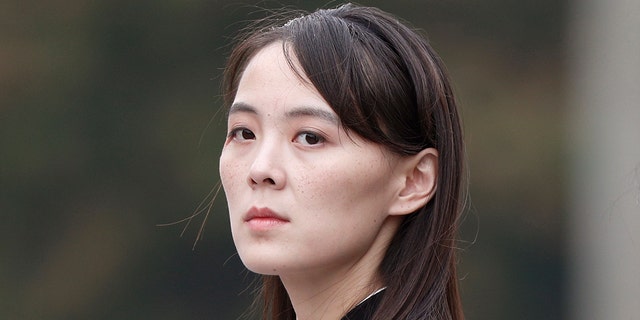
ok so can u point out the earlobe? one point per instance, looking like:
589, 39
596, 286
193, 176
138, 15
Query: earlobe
420, 176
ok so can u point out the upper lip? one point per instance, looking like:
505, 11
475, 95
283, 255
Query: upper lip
262, 212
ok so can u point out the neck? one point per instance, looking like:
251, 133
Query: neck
328, 294
329, 299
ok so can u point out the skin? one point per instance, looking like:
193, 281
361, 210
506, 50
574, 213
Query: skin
339, 198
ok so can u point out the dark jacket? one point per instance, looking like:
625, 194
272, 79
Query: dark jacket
365, 309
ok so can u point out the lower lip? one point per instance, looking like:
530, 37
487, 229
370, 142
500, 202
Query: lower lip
263, 224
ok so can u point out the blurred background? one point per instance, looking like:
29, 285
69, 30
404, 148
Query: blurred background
109, 126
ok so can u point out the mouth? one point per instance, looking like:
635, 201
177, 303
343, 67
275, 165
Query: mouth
261, 219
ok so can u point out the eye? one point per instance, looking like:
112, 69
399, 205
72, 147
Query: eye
242, 134
309, 138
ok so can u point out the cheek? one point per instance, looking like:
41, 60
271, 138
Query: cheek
329, 190
230, 174
346, 189
316, 188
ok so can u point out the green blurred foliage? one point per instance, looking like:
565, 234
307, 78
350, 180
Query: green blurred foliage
109, 125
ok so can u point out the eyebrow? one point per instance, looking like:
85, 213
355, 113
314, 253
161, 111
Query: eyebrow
297, 112
241, 107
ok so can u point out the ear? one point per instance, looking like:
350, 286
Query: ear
420, 176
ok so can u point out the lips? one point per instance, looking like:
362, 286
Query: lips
263, 219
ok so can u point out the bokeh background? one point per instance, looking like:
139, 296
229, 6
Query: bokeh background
109, 126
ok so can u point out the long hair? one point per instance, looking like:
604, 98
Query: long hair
387, 85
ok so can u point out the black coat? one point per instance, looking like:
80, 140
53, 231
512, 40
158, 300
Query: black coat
365, 309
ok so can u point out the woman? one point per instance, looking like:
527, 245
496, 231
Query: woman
342, 168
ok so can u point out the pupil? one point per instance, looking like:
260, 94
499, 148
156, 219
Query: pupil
246, 134
311, 138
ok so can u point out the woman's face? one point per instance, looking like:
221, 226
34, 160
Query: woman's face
303, 195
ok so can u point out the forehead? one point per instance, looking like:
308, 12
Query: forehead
269, 79
272, 63
271, 55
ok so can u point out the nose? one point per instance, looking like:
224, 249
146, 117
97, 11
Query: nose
267, 169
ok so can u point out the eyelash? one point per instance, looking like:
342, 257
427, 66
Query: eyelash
319, 138
233, 133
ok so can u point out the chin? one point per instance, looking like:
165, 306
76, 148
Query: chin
260, 267
261, 263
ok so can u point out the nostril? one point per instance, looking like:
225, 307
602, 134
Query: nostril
266, 180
